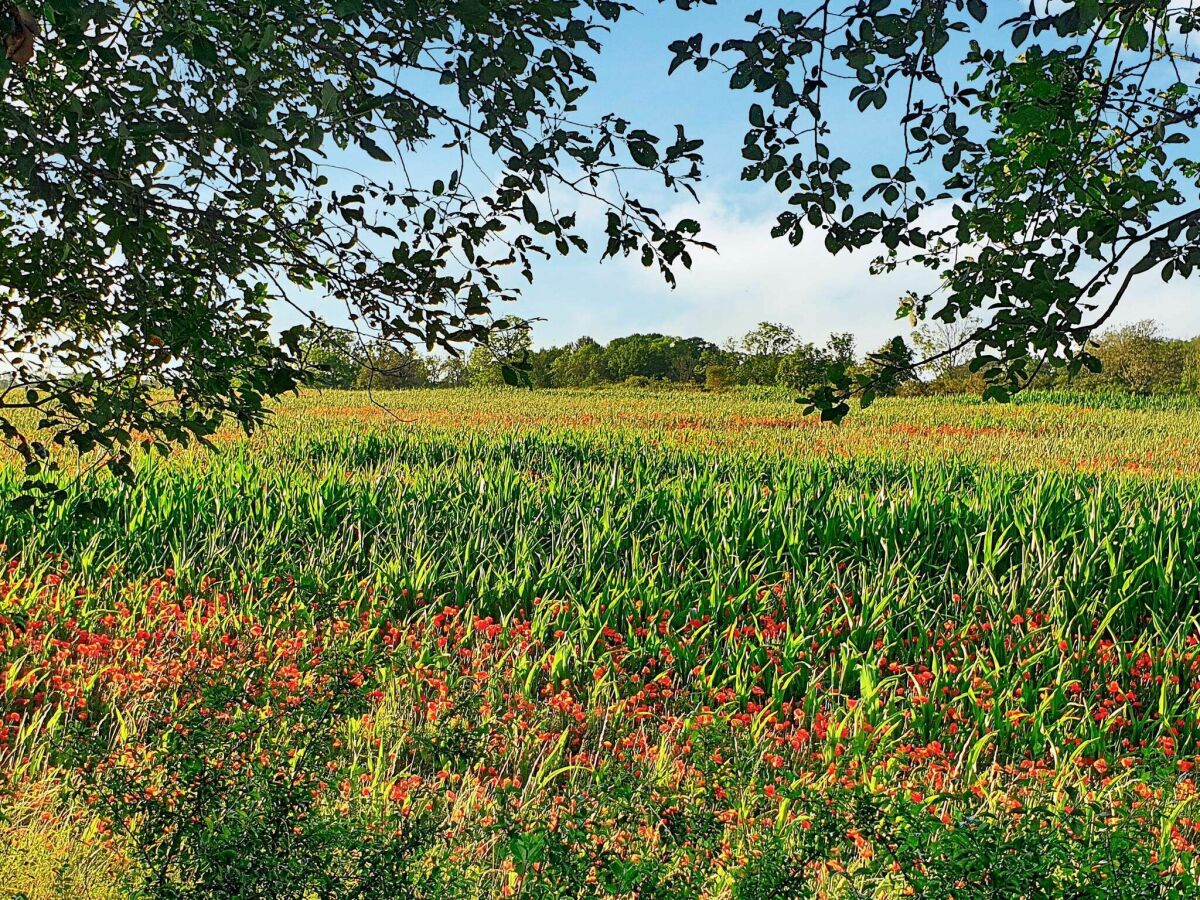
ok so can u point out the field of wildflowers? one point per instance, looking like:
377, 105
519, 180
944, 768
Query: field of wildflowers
461, 644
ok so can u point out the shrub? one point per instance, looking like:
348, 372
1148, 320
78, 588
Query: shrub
717, 377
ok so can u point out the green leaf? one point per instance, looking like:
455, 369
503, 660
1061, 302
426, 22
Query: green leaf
1088, 10
529, 209
329, 96
1136, 37
643, 153
514, 376
373, 149
1146, 263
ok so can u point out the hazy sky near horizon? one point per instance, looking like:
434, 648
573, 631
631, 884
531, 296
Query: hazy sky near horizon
752, 277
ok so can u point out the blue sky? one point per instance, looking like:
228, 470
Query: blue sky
752, 277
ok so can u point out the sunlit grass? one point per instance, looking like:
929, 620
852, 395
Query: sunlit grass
673, 644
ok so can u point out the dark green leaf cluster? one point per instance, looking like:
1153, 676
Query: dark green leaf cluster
170, 173
1036, 168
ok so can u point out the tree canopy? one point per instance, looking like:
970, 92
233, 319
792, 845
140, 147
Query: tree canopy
1044, 161
1137, 359
172, 172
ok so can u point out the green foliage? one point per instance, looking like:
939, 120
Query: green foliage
890, 367
386, 367
1055, 137
482, 369
581, 364
945, 346
504, 358
808, 365
685, 645
804, 368
170, 173
453, 372
764, 347
1046, 853
655, 357
770, 354
717, 377
951, 380
330, 357
678, 644
769, 339
1136, 358
166, 180
217, 793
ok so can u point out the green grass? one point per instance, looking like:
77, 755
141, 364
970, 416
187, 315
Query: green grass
719, 656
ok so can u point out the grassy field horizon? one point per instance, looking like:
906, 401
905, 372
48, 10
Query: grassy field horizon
464, 643
1144, 435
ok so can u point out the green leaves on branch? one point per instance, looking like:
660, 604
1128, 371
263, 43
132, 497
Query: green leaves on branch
1031, 183
174, 175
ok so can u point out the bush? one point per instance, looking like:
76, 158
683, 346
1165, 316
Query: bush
956, 380
717, 377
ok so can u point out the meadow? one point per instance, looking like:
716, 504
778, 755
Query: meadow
468, 644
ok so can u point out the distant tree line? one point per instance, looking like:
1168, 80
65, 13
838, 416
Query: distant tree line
1136, 358
770, 354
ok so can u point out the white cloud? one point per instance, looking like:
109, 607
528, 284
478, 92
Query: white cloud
1176, 306
754, 277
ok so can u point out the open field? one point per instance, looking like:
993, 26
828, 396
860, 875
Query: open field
469, 644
